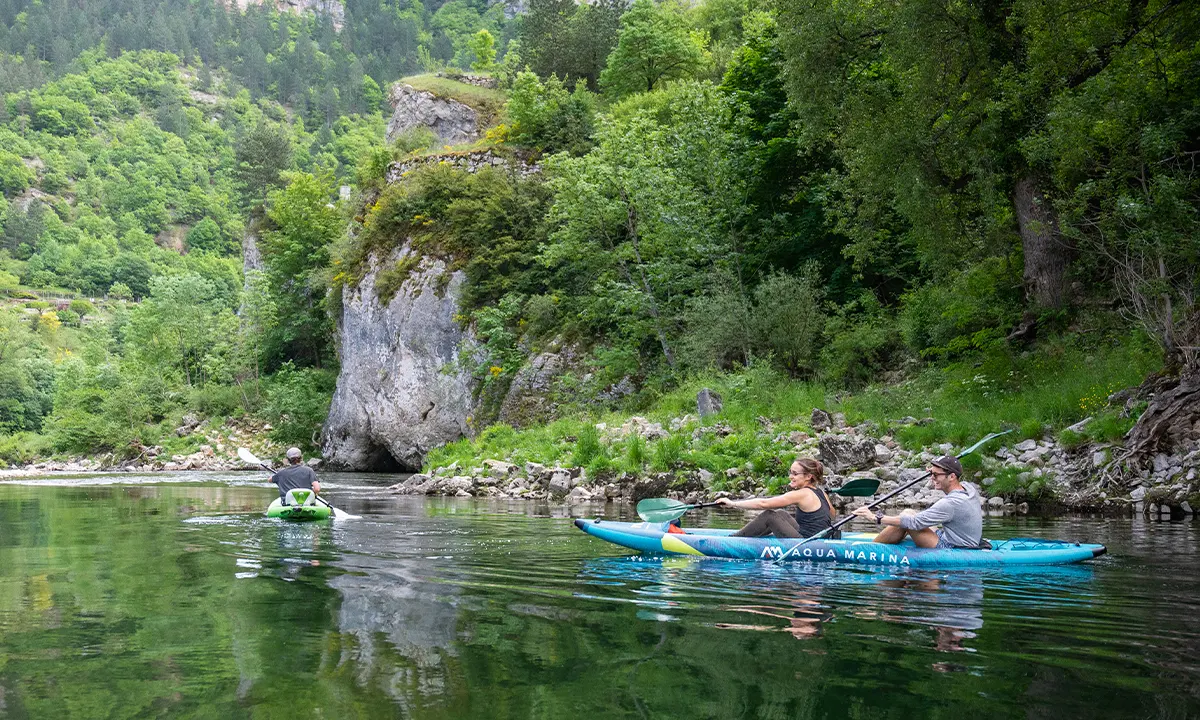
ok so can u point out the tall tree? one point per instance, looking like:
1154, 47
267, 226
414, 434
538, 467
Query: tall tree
303, 226
653, 46
934, 109
262, 155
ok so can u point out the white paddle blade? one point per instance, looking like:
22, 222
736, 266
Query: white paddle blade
248, 457
343, 515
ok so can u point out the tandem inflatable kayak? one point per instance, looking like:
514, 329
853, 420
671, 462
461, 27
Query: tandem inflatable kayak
856, 548
301, 505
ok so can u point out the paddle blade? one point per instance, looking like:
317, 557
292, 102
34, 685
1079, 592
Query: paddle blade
248, 457
658, 510
983, 442
858, 487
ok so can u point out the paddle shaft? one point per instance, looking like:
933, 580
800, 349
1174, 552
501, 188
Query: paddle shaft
899, 490
851, 516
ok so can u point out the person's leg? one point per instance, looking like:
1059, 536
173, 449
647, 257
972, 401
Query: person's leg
757, 527
891, 535
770, 522
783, 524
924, 538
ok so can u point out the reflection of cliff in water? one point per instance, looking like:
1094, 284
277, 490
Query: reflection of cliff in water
403, 626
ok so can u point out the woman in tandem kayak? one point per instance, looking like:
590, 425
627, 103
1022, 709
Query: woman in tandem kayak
813, 511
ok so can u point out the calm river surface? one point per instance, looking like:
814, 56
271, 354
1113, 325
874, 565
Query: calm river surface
172, 596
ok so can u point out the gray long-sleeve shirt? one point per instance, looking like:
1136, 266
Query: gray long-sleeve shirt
959, 515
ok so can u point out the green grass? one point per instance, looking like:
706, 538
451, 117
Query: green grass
1055, 387
1032, 394
488, 102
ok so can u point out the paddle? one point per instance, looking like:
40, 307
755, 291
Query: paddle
665, 509
250, 458
895, 492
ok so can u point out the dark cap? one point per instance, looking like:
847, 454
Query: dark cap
949, 463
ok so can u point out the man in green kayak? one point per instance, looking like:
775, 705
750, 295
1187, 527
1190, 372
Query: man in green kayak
295, 476
958, 513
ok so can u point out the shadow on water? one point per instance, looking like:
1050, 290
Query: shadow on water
182, 600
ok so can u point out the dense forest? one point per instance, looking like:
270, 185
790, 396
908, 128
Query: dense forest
836, 193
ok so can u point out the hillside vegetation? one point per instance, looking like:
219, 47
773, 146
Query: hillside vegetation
988, 214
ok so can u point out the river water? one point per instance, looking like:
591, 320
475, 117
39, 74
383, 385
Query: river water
172, 596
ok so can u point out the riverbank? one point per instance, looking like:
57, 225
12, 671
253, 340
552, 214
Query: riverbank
1041, 474
1067, 410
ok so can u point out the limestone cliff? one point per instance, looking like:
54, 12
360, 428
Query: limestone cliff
401, 391
452, 121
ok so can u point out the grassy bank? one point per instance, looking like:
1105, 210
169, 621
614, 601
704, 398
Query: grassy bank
1037, 394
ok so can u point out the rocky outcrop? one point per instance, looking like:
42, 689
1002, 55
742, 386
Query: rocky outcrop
483, 81
530, 396
452, 121
331, 8
251, 255
471, 161
401, 390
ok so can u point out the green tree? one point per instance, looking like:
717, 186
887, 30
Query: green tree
174, 328
548, 117
206, 236
15, 177
263, 154
653, 46
303, 226
372, 96
483, 45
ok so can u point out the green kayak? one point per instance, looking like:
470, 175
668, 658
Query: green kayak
301, 505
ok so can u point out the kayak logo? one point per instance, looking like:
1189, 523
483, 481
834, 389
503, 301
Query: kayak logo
774, 552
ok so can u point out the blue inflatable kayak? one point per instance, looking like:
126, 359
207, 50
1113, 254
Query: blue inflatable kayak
855, 548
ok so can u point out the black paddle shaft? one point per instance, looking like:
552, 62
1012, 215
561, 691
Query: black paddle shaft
851, 516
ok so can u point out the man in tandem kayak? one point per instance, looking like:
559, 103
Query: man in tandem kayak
295, 476
813, 511
958, 513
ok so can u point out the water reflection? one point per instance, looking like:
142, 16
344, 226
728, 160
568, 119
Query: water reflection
449, 609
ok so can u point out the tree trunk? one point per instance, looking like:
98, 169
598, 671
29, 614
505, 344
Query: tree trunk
1047, 252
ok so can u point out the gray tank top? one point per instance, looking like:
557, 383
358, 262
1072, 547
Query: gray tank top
820, 519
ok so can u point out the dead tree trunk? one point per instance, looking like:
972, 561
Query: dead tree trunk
1171, 420
1047, 253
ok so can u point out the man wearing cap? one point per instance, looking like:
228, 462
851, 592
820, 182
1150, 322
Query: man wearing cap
958, 513
295, 476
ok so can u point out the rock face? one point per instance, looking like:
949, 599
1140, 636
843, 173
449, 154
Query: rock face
841, 453
450, 120
470, 161
529, 399
400, 391
708, 403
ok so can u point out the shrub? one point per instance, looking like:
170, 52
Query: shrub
81, 307
788, 320
970, 311
22, 448
862, 342
548, 117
